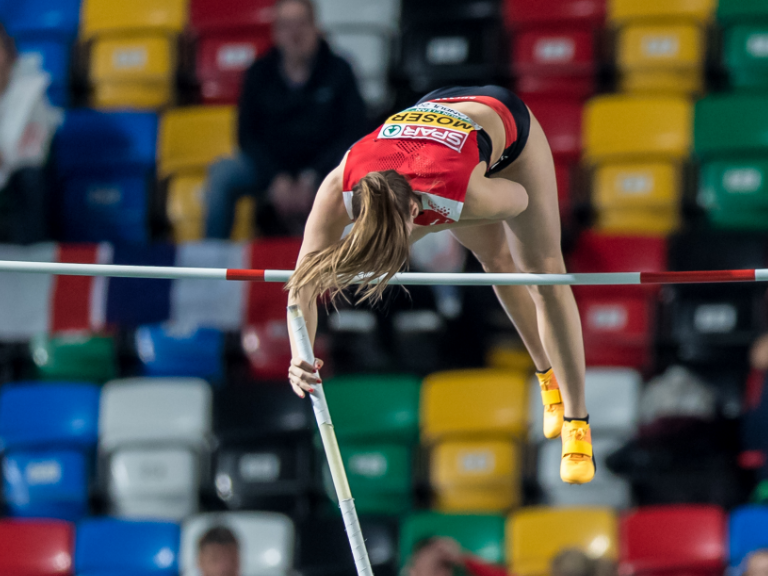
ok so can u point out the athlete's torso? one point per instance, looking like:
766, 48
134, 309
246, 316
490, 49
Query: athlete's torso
433, 145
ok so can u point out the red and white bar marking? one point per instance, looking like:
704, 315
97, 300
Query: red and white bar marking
405, 278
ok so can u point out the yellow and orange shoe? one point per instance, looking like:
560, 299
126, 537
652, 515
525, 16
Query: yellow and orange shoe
553, 403
578, 464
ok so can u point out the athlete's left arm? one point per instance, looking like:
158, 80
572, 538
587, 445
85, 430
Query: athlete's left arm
492, 199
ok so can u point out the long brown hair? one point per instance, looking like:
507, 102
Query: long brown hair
377, 246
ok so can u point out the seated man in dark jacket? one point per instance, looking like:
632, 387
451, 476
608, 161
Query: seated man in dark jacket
300, 110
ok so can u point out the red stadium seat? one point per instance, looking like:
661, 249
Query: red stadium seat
36, 548
564, 193
223, 58
679, 540
561, 121
207, 16
527, 14
268, 301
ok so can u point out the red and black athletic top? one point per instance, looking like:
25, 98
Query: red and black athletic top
433, 146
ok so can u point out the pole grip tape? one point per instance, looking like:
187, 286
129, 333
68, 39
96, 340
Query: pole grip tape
355, 535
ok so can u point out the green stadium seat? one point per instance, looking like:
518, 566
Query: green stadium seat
74, 357
733, 11
379, 477
377, 423
482, 535
375, 408
731, 141
745, 52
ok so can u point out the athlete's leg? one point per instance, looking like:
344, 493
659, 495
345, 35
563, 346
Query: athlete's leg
534, 238
490, 246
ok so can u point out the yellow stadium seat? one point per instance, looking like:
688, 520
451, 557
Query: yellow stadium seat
122, 95
506, 357
186, 207
191, 138
474, 403
659, 222
655, 185
619, 127
536, 535
186, 210
661, 58
623, 11
476, 476
119, 16
134, 59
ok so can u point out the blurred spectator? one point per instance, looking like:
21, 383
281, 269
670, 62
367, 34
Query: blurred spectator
300, 109
758, 354
576, 563
218, 553
439, 556
757, 563
27, 124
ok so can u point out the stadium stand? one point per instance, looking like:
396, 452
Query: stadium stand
37, 547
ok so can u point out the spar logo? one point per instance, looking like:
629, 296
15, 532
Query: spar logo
454, 139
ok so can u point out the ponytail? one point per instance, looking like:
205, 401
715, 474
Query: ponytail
377, 247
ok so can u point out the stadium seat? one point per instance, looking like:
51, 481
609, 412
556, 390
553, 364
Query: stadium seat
684, 539
186, 208
473, 402
323, 547
74, 357
746, 533
662, 58
606, 489
718, 250
479, 476
43, 19
104, 162
191, 138
561, 121
731, 149
368, 54
264, 456
350, 14
53, 57
135, 72
482, 535
745, 25
48, 436
103, 17
536, 535
622, 127
153, 433
566, 13
266, 541
623, 11
36, 547
223, 59
181, 350
109, 546
229, 15
454, 43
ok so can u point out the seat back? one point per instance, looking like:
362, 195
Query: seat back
78, 356
623, 11
744, 54
746, 533
473, 402
181, 350
375, 408
43, 19
109, 546
673, 537
228, 15
561, 121
730, 11
522, 14
536, 535
155, 410
617, 127
90, 140
106, 17
614, 396
266, 541
482, 535
351, 14
36, 547
52, 414
192, 138
133, 59
614, 253
730, 125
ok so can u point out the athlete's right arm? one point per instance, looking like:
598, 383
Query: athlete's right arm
325, 226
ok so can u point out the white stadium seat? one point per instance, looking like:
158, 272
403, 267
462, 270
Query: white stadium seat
333, 14
266, 541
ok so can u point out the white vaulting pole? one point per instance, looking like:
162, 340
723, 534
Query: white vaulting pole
331, 446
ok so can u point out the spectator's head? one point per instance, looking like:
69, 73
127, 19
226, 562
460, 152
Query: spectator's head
429, 558
383, 206
7, 58
295, 30
218, 553
572, 563
757, 564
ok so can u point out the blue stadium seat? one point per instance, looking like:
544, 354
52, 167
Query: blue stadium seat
54, 58
171, 350
107, 546
105, 162
48, 434
43, 19
747, 532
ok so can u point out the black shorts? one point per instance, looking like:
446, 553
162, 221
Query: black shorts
513, 103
